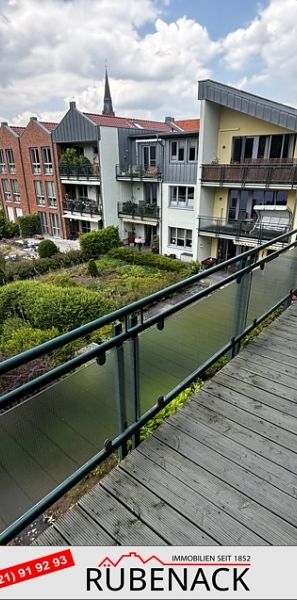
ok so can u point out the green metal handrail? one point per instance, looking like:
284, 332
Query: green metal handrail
247, 263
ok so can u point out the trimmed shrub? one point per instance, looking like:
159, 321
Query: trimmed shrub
95, 243
145, 258
47, 248
92, 268
29, 225
25, 269
45, 306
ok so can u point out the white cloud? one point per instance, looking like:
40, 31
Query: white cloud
271, 36
55, 50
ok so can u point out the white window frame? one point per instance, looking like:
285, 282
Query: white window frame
39, 193
176, 234
51, 194
55, 225
10, 160
47, 160
35, 161
6, 190
180, 145
43, 222
15, 190
192, 144
2, 162
176, 195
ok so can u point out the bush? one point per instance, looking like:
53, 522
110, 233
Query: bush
18, 336
144, 258
95, 243
8, 229
47, 248
29, 225
92, 268
25, 269
43, 306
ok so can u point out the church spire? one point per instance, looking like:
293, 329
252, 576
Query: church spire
107, 106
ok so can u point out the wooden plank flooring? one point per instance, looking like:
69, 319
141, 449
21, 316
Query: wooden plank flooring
222, 470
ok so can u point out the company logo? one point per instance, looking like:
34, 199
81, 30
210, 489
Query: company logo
133, 572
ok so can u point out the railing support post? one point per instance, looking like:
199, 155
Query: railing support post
134, 379
241, 306
120, 388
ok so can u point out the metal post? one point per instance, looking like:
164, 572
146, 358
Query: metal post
241, 305
120, 388
134, 379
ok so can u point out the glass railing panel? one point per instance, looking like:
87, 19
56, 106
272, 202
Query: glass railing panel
49, 436
188, 339
270, 285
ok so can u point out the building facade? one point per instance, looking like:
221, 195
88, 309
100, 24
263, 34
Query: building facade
247, 171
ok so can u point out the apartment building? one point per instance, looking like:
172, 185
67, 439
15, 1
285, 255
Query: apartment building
28, 175
247, 176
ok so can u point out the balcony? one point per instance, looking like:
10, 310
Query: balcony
141, 210
138, 172
82, 206
282, 174
260, 230
73, 174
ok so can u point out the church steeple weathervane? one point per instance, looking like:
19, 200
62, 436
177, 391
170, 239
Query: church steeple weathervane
107, 105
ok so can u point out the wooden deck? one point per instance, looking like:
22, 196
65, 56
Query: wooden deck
223, 470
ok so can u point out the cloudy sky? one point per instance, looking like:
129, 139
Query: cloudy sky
53, 51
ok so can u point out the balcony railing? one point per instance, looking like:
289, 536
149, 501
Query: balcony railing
241, 228
140, 210
138, 172
131, 384
86, 172
252, 173
83, 206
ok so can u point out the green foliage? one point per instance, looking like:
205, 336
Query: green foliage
45, 306
250, 336
70, 159
145, 258
95, 243
26, 269
92, 268
61, 280
29, 225
17, 336
8, 229
195, 267
217, 366
166, 412
47, 248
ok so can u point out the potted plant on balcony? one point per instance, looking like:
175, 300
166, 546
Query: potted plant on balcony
73, 163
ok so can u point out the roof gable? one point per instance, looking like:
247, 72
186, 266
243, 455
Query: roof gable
249, 104
75, 127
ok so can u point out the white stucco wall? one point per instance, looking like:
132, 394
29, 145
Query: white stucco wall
109, 157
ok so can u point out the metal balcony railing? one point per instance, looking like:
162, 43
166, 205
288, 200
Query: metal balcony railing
140, 210
86, 172
138, 172
251, 173
82, 205
241, 228
144, 346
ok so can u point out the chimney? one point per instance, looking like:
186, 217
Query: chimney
33, 119
169, 120
4, 123
72, 104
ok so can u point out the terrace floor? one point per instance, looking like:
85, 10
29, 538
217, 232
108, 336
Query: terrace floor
222, 470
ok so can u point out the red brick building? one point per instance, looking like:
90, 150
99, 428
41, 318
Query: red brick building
28, 175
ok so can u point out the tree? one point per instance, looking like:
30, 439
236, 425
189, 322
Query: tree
29, 225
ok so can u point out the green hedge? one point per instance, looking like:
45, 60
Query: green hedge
146, 258
8, 229
45, 306
95, 243
26, 269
